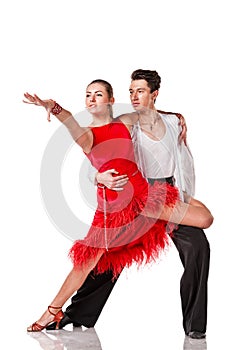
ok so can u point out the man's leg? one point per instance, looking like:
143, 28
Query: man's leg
194, 251
88, 302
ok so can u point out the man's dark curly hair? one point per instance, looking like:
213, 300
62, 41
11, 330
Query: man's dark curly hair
151, 76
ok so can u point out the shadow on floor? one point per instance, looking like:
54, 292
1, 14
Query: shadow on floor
77, 338
194, 344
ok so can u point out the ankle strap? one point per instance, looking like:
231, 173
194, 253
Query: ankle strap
53, 307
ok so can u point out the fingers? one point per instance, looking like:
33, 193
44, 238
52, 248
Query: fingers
30, 99
37, 97
27, 95
183, 138
121, 182
38, 101
181, 118
111, 181
121, 178
30, 103
117, 189
180, 140
183, 133
35, 100
118, 183
48, 116
111, 171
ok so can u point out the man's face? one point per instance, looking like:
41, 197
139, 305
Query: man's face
141, 96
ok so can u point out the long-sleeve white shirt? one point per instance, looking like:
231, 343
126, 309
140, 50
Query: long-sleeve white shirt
166, 157
163, 158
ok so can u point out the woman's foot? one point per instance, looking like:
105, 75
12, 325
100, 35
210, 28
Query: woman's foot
52, 314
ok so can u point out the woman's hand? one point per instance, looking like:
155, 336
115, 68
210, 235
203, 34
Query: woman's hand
35, 100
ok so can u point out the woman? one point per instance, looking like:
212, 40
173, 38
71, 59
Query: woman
125, 228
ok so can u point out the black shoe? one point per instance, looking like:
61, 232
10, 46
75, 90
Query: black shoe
64, 322
196, 335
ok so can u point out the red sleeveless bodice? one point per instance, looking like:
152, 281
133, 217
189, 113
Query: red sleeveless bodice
119, 227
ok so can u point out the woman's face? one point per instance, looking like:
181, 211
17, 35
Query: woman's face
97, 99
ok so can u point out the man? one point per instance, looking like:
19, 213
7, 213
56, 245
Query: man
160, 157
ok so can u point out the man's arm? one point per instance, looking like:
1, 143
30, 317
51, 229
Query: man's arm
109, 178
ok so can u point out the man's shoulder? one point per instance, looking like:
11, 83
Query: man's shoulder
172, 122
170, 116
171, 119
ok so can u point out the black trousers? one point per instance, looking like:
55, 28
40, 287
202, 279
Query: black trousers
194, 251
193, 247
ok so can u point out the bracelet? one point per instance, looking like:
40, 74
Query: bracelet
56, 109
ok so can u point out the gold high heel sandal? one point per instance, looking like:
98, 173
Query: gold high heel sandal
36, 327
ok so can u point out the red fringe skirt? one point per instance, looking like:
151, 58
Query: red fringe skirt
123, 230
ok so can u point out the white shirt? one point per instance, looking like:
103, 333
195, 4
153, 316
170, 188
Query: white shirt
172, 158
159, 159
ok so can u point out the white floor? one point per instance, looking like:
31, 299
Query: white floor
88, 339
143, 311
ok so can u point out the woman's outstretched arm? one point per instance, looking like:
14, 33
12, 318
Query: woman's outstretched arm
81, 135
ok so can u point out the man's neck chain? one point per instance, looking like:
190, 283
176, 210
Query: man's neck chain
152, 122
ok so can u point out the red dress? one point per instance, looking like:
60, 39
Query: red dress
120, 225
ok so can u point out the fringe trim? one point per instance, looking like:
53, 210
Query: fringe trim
131, 237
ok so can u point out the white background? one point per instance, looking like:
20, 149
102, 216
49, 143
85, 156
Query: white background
55, 49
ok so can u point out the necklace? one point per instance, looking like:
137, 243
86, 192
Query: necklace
152, 123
